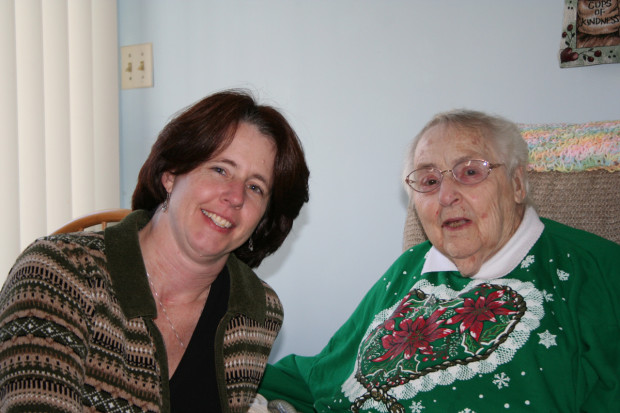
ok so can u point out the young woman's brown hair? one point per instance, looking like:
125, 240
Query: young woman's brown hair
199, 132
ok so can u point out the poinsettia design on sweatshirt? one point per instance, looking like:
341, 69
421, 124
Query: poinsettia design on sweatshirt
425, 334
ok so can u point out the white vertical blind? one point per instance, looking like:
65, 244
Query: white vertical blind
81, 104
30, 118
58, 116
9, 206
57, 113
105, 104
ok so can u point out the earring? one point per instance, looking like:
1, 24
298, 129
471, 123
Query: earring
166, 203
250, 244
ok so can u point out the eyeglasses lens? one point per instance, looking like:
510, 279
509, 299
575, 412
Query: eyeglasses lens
425, 180
468, 172
471, 172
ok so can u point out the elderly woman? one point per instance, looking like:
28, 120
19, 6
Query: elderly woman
499, 311
162, 311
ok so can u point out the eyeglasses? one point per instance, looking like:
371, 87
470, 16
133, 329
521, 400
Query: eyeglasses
468, 172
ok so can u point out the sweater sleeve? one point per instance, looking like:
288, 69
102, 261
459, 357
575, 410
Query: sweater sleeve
303, 381
599, 323
309, 382
42, 333
287, 380
590, 269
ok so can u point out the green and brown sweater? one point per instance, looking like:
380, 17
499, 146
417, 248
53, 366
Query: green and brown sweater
77, 331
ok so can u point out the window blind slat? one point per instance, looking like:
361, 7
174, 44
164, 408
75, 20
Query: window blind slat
105, 101
81, 105
30, 119
57, 115
9, 219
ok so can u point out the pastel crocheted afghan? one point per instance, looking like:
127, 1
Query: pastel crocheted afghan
565, 147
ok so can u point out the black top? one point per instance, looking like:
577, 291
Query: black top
193, 386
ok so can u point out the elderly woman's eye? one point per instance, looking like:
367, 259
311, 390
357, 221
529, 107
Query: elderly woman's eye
219, 170
430, 180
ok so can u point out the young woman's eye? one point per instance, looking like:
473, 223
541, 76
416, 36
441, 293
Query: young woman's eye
256, 189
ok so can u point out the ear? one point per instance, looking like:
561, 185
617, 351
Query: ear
167, 180
518, 185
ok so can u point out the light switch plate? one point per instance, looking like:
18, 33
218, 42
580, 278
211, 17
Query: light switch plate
137, 66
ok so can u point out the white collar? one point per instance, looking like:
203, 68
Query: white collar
505, 260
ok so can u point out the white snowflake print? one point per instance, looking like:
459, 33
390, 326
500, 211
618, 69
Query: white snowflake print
416, 407
547, 339
527, 261
467, 410
501, 380
563, 275
547, 296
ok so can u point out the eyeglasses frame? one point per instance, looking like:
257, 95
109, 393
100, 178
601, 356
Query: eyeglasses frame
489, 165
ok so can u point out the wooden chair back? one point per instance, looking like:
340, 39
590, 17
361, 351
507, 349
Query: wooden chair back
99, 220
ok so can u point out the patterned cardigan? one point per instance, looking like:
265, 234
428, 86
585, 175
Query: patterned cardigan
77, 331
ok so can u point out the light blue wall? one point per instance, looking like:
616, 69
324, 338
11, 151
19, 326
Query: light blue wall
357, 79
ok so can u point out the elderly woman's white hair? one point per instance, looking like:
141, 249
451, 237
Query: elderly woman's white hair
501, 133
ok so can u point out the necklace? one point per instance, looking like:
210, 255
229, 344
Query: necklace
174, 330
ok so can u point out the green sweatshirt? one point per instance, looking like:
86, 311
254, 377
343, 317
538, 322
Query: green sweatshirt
543, 338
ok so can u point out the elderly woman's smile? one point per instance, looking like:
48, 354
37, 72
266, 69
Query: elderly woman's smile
455, 223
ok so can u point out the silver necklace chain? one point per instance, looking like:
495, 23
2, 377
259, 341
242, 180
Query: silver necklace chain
174, 330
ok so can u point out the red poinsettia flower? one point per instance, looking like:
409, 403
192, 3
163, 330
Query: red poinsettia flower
474, 314
414, 335
404, 307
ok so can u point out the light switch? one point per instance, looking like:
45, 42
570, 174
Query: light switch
137, 66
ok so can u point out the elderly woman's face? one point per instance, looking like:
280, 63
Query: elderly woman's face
467, 223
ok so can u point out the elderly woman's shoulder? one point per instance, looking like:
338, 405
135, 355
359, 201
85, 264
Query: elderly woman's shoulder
579, 238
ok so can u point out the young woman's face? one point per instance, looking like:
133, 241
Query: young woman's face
214, 208
467, 223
